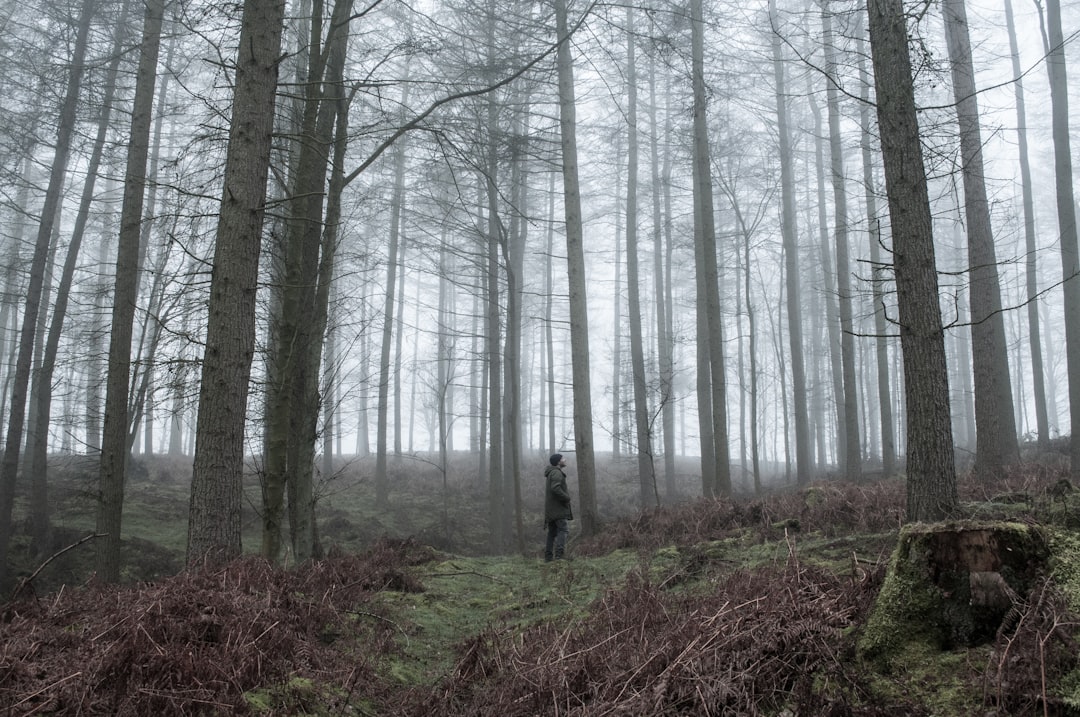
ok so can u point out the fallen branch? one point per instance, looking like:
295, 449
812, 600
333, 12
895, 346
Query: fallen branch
27, 580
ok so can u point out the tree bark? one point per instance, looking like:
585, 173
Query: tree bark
852, 458
877, 270
1066, 211
577, 280
788, 219
711, 371
115, 445
216, 488
648, 493
931, 484
1042, 420
995, 423
9, 467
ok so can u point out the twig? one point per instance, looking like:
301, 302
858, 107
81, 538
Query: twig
469, 572
384, 619
27, 580
46, 689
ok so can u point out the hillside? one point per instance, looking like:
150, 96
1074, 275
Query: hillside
739, 607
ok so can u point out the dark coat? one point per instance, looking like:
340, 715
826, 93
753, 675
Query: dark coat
557, 496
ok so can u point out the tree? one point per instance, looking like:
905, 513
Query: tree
301, 319
648, 494
712, 390
996, 440
791, 260
42, 392
216, 486
877, 269
1066, 211
852, 459
1042, 420
115, 444
9, 467
575, 262
931, 485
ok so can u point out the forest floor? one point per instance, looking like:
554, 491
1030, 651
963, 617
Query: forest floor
745, 606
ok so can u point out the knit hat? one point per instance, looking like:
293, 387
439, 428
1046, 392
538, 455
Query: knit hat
556, 459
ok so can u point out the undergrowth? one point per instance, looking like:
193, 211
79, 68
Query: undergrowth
748, 606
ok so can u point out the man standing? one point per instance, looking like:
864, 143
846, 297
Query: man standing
557, 509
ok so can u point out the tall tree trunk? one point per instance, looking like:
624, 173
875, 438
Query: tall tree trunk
877, 270
1042, 420
576, 280
852, 458
1066, 211
664, 348
42, 393
648, 493
493, 315
788, 229
711, 372
996, 439
514, 257
382, 481
300, 319
931, 478
9, 467
829, 291
216, 488
115, 446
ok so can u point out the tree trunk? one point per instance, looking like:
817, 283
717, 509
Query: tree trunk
115, 446
577, 281
788, 219
648, 494
931, 478
216, 488
709, 301
1066, 211
1042, 420
664, 347
832, 307
852, 458
877, 270
382, 481
21, 379
995, 424
42, 393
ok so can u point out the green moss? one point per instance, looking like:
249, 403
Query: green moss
896, 617
926, 595
924, 675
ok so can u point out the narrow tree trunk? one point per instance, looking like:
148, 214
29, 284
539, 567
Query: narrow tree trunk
648, 493
382, 481
115, 443
1066, 211
788, 229
996, 439
42, 394
709, 284
21, 379
577, 281
877, 270
852, 458
1042, 420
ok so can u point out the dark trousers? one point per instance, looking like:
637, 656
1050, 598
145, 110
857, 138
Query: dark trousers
557, 531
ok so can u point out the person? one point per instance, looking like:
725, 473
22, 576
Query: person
557, 510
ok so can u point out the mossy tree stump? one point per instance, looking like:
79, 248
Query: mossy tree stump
952, 584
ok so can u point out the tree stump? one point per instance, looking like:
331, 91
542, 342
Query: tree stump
952, 584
